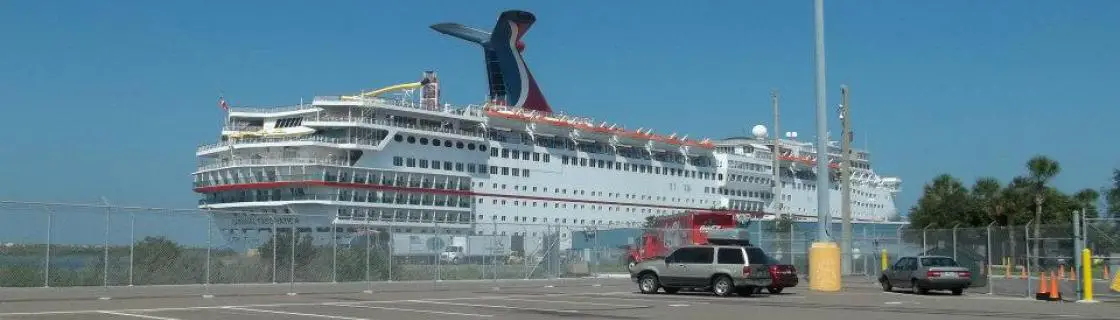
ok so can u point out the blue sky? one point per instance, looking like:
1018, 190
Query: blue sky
111, 98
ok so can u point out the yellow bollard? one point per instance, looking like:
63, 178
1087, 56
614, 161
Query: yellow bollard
824, 267
1086, 276
883, 260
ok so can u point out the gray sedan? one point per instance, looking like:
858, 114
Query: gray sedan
923, 273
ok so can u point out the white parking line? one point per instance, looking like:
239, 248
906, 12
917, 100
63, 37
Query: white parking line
313, 315
286, 304
142, 316
413, 310
494, 306
578, 302
633, 299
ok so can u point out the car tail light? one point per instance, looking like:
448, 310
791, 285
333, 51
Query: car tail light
965, 274
933, 274
746, 271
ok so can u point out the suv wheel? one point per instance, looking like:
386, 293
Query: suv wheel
775, 290
648, 283
722, 286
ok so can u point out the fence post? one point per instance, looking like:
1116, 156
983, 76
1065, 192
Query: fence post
955, 240
925, 247
105, 244
292, 264
47, 264
334, 253
988, 267
275, 238
1027, 263
131, 245
1077, 246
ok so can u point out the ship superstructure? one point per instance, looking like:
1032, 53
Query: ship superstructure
390, 161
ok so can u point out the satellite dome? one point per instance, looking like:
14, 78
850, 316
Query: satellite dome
759, 131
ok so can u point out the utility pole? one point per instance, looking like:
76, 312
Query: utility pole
824, 218
777, 182
845, 184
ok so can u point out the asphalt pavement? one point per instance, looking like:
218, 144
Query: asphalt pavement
547, 299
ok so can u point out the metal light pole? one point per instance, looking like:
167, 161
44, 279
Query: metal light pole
823, 215
845, 183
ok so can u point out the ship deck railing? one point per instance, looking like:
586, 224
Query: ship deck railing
398, 124
470, 110
272, 161
310, 138
274, 109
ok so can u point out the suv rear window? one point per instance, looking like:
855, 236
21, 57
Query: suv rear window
730, 256
756, 256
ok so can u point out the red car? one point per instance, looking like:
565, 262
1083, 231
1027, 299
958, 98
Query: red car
781, 275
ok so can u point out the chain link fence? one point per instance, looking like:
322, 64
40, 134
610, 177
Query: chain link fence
106, 249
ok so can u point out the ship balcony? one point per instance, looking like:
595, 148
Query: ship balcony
470, 113
285, 141
272, 111
225, 163
399, 201
322, 121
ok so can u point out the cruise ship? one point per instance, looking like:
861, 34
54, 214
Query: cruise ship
391, 160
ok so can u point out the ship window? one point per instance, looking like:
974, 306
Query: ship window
524, 155
493, 170
410, 162
505, 171
459, 167
397, 138
516, 173
493, 152
447, 166
516, 155
459, 144
447, 143
470, 167
546, 157
424, 141
505, 153
481, 147
470, 146
435, 164
435, 142
411, 139
424, 163
524, 172
536, 156
564, 160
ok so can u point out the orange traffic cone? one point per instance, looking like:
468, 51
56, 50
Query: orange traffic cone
1105, 270
1073, 273
1023, 273
1055, 291
1061, 272
1043, 287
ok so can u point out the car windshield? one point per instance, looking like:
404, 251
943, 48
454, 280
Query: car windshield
939, 262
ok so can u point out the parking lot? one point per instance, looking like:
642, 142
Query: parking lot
581, 299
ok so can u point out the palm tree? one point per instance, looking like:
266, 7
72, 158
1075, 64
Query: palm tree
1086, 201
1041, 169
989, 197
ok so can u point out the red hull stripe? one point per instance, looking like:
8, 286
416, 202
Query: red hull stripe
273, 185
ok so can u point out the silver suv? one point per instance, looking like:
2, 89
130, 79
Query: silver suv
721, 269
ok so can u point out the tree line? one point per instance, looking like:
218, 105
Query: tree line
1030, 197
